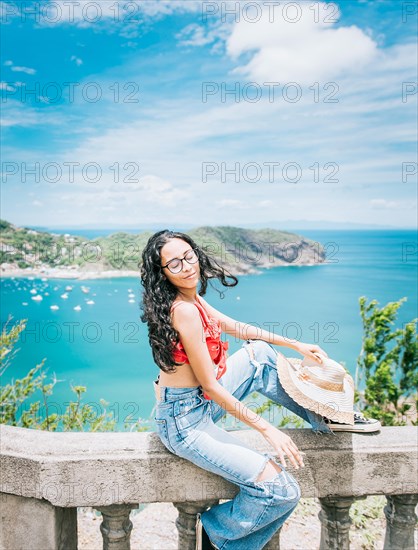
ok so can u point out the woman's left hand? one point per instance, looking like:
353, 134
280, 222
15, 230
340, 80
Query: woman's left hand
310, 350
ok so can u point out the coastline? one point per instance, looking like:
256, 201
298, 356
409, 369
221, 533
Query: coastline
240, 252
53, 273
78, 274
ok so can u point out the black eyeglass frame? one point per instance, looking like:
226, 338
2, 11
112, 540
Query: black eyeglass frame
182, 260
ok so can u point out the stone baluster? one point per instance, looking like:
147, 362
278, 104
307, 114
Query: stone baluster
36, 524
335, 523
116, 526
186, 521
400, 522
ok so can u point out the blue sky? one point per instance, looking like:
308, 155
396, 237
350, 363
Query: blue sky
117, 113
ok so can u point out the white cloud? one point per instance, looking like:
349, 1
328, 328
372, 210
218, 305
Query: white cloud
384, 204
232, 203
84, 13
149, 192
37, 203
194, 35
15, 113
302, 51
160, 191
166, 7
170, 137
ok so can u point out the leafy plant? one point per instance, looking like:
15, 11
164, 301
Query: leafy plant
390, 374
287, 419
38, 415
367, 517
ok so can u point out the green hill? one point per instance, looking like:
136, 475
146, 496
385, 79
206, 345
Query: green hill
238, 249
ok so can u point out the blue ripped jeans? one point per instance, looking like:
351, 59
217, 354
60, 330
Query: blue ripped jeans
186, 424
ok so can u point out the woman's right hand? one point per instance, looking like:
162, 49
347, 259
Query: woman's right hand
284, 445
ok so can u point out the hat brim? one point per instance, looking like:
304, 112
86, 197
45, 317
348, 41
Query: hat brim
337, 406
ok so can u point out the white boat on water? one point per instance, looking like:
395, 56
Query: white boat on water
33, 291
131, 295
64, 296
131, 301
85, 289
54, 308
90, 302
77, 308
68, 288
37, 298
24, 303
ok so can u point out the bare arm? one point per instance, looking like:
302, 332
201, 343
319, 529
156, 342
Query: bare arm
244, 331
187, 322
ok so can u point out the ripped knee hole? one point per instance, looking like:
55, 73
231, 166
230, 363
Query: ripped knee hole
269, 472
251, 350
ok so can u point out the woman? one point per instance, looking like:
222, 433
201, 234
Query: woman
184, 334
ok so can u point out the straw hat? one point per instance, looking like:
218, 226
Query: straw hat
325, 388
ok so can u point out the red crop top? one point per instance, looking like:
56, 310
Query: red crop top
216, 347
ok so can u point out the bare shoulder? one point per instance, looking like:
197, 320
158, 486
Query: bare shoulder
213, 312
202, 299
185, 314
205, 303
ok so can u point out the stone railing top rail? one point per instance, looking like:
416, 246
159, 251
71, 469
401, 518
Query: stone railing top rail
72, 469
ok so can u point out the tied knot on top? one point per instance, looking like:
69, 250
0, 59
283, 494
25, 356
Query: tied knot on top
216, 348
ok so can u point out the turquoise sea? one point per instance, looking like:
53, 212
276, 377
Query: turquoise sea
104, 345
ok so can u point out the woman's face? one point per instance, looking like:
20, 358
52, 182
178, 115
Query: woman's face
189, 275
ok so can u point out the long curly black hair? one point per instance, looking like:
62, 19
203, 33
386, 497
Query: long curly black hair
159, 294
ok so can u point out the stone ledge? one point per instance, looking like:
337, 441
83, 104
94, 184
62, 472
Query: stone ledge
70, 469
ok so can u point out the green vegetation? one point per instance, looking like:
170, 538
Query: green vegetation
239, 250
367, 531
15, 396
390, 374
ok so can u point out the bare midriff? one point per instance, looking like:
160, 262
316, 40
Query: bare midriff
183, 378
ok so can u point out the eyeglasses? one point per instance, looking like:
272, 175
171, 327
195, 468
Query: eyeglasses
176, 264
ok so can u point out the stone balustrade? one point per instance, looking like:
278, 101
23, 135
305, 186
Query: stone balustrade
45, 476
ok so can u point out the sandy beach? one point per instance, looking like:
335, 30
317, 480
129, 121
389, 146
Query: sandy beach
73, 272
60, 273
